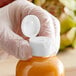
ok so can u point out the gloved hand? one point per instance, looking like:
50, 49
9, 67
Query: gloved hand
11, 38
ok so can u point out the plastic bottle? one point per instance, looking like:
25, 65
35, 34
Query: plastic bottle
40, 66
43, 62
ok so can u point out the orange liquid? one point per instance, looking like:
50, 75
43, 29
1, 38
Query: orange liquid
37, 66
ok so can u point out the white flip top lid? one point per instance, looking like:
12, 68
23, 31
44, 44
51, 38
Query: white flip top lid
41, 46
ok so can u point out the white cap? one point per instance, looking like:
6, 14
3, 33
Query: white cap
30, 26
42, 46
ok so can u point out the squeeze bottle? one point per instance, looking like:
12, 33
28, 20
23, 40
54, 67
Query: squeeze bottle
43, 62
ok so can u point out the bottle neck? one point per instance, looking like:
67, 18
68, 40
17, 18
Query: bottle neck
39, 59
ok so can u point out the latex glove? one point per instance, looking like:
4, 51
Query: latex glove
11, 38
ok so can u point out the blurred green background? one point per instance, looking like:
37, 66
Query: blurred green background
65, 11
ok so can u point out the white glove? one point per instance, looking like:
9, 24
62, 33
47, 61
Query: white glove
11, 38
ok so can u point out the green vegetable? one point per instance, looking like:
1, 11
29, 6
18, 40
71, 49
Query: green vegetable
39, 2
71, 4
67, 22
67, 38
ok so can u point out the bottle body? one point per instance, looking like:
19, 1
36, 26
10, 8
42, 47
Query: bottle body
38, 66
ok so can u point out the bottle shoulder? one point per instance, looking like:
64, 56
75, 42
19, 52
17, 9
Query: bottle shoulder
51, 61
40, 67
